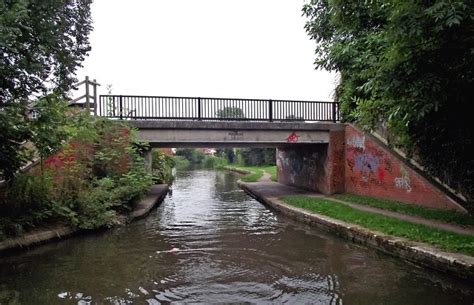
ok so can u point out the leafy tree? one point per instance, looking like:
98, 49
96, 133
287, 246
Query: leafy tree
13, 133
407, 65
230, 113
258, 156
42, 43
49, 129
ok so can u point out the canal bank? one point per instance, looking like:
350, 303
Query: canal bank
59, 232
210, 242
270, 194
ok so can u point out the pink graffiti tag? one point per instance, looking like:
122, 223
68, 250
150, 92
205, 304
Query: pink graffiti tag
292, 138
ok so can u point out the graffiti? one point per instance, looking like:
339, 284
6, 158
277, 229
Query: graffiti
367, 164
357, 142
236, 134
403, 182
380, 174
292, 138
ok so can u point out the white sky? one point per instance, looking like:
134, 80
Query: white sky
207, 48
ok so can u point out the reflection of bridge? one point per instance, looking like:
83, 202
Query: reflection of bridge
198, 108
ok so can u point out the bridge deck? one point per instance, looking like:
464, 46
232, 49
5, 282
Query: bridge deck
203, 133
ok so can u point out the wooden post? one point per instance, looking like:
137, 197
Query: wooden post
88, 105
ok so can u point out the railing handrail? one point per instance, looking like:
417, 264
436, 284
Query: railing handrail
214, 108
216, 98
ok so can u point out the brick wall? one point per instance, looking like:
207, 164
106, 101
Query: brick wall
372, 170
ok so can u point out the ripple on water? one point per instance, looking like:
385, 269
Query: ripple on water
209, 242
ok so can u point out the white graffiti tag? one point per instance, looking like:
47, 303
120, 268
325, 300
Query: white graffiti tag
357, 142
403, 182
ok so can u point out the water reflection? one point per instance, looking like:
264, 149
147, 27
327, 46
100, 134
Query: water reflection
210, 242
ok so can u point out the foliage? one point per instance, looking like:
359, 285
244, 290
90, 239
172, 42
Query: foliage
42, 43
87, 183
385, 224
407, 65
14, 133
162, 166
180, 162
227, 153
257, 156
411, 209
230, 113
49, 128
214, 162
192, 155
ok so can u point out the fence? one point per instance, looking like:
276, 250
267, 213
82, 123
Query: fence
198, 108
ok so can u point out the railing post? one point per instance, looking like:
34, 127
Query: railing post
270, 110
94, 90
120, 108
88, 104
199, 108
334, 112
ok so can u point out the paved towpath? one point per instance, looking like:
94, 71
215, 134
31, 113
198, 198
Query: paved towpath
274, 189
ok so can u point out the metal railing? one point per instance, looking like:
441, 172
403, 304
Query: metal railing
214, 109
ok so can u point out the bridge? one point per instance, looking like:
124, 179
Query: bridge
314, 149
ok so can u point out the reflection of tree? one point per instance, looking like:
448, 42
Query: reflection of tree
230, 113
225, 186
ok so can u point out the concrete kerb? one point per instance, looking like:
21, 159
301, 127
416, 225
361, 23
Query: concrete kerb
422, 254
151, 200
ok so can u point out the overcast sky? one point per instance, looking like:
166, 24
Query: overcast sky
207, 48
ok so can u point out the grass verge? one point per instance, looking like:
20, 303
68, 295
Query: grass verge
416, 232
254, 172
410, 209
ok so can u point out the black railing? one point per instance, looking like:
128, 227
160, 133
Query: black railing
198, 108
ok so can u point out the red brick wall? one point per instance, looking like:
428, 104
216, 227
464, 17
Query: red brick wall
372, 170
336, 164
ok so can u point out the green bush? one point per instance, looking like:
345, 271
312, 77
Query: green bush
214, 162
162, 166
98, 175
180, 162
192, 155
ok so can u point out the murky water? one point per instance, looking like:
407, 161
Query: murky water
211, 243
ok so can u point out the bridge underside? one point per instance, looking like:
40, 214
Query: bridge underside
233, 134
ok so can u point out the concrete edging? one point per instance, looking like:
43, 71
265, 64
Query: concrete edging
155, 196
456, 264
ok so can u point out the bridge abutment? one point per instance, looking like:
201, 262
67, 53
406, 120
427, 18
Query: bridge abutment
318, 167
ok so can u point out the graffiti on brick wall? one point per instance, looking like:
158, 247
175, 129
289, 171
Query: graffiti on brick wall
403, 182
357, 142
368, 164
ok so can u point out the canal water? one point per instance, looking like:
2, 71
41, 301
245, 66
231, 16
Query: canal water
209, 242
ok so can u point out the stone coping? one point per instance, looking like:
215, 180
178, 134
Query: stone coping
456, 264
240, 125
155, 196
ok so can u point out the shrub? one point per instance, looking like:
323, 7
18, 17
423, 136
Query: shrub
98, 175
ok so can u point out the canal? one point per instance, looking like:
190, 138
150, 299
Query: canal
210, 242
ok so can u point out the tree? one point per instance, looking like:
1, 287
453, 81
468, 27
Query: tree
230, 113
42, 44
49, 129
408, 65
13, 133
